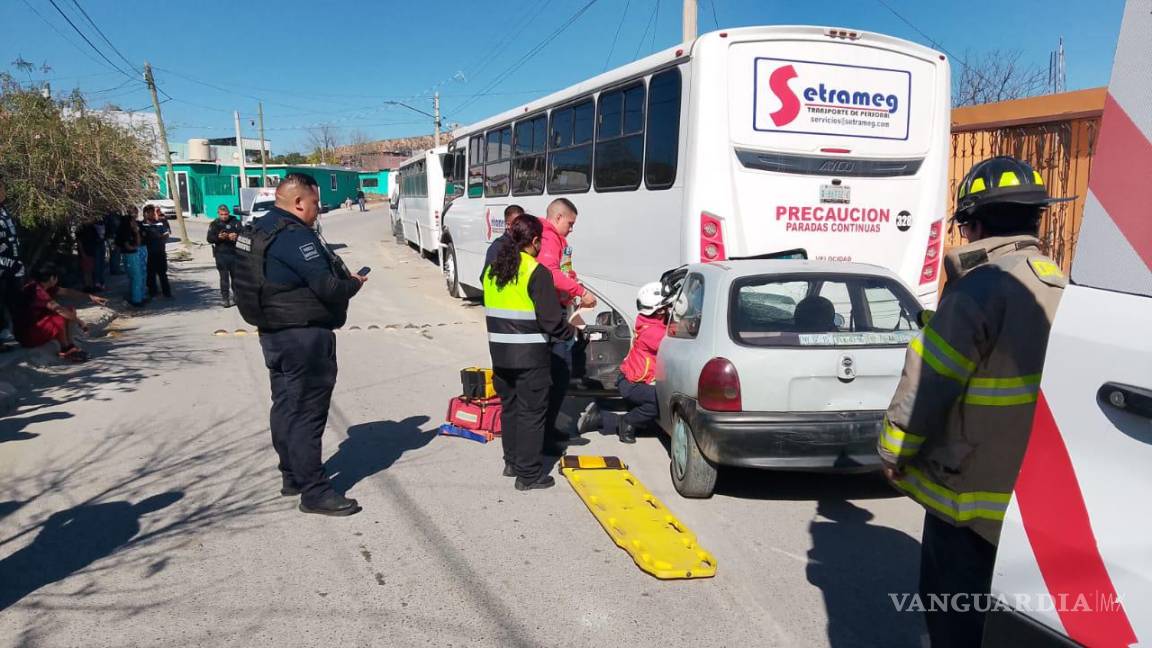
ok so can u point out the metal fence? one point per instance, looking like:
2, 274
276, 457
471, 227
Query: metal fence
1056, 133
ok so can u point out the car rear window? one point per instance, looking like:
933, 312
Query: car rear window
822, 310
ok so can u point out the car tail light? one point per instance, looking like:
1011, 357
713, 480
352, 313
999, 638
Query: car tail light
719, 387
929, 273
711, 238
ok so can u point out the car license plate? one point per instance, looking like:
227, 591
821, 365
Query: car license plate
840, 194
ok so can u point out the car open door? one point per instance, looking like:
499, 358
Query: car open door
596, 359
1074, 559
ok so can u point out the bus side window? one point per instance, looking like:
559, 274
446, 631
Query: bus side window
620, 139
476, 167
498, 168
528, 148
663, 129
570, 153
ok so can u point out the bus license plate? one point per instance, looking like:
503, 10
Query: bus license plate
839, 194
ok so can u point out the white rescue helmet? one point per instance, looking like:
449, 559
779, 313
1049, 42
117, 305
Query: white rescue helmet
650, 298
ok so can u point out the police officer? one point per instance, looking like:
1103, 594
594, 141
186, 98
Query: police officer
222, 235
957, 428
290, 286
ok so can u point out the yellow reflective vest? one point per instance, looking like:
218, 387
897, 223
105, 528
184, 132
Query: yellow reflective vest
959, 422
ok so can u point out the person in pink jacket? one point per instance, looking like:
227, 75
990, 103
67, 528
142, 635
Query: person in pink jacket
556, 255
637, 373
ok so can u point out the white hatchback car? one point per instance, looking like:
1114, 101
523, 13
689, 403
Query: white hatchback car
783, 364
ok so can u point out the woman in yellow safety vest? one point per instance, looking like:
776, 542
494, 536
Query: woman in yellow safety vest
523, 313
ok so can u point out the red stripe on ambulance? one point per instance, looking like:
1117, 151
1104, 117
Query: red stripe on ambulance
1056, 522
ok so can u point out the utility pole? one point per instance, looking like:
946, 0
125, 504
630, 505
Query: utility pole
436, 118
240, 146
263, 152
690, 13
173, 186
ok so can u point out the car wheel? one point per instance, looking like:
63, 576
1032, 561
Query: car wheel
452, 272
692, 474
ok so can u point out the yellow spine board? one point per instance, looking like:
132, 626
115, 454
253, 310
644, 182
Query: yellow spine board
636, 521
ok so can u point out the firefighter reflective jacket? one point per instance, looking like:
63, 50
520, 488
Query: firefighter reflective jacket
522, 316
959, 423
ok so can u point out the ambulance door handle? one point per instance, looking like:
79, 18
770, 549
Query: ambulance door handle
1127, 398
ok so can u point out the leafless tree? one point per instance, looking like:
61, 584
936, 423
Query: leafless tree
359, 145
997, 75
323, 138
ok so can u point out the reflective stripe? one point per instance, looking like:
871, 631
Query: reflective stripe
960, 507
1009, 179
1003, 392
940, 355
977, 186
518, 338
899, 442
504, 313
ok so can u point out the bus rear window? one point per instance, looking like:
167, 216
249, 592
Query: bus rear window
821, 310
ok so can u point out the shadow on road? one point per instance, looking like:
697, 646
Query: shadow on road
12, 429
71, 540
857, 565
373, 447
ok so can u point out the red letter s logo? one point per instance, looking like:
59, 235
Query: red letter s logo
789, 102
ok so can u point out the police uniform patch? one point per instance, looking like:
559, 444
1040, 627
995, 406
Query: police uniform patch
969, 260
309, 251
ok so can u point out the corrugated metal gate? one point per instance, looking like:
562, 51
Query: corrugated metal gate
1056, 133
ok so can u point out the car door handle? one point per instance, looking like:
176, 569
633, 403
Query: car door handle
1126, 398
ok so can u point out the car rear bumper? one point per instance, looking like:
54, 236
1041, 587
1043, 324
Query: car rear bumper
835, 441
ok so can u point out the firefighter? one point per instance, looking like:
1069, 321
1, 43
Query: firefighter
523, 312
290, 286
955, 433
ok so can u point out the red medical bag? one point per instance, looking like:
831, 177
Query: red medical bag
475, 414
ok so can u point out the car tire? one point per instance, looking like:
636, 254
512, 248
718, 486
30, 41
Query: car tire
692, 474
452, 272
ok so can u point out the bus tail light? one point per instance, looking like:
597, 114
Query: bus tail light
719, 387
711, 238
930, 272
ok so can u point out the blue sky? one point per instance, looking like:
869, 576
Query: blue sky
316, 61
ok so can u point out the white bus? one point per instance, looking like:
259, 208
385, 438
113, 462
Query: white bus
743, 142
421, 197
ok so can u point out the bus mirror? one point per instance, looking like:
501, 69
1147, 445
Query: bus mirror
924, 316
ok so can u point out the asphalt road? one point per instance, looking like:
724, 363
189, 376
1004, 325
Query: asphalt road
139, 504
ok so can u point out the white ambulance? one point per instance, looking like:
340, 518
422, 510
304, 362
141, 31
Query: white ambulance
1075, 559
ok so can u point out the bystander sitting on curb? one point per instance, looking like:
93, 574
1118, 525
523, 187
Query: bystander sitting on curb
39, 319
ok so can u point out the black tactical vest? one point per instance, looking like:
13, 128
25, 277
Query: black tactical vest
269, 306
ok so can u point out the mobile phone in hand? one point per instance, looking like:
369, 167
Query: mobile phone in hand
363, 272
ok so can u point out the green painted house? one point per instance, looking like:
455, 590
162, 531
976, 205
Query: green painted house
204, 186
376, 182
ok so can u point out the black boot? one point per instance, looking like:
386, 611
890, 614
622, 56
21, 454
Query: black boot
332, 504
591, 420
508, 472
288, 488
627, 433
546, 481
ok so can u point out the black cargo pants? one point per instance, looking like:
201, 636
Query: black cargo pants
302, 368
524, 405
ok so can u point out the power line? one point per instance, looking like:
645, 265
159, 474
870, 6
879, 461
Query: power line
655, 26
86, 40
614, 38
524, 59
651, 19
101, 32
59, 33
715, 19
932, 41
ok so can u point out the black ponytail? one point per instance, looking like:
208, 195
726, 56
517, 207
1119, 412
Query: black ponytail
525, 229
